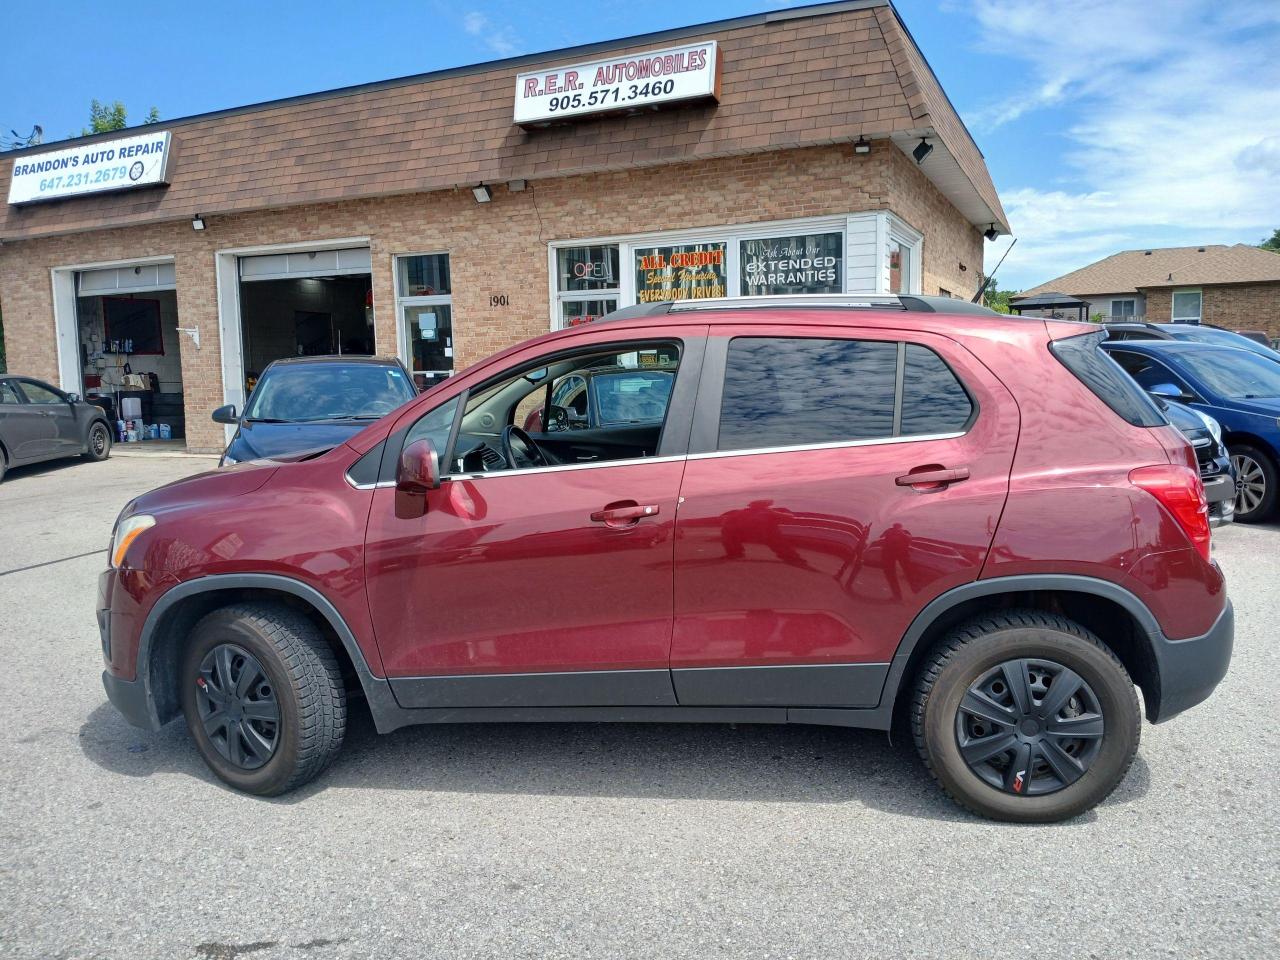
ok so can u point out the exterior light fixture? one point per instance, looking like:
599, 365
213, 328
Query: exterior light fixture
515, 186
863, 145
922, 150
991, 232
482, 193
197, 222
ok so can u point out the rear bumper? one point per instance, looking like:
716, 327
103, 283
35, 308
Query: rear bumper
1190, 669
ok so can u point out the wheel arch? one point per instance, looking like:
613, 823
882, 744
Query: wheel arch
1235, 437
1118, 618
174, 615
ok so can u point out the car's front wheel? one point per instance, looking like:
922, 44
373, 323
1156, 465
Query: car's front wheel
1256, 483
1026, 716
98, 444
263, 697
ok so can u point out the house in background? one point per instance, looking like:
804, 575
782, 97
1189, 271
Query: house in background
1228, 286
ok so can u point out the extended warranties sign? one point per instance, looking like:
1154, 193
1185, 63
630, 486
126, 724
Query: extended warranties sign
122, 164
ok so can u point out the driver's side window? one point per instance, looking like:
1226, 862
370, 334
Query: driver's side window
547, 414
1149, 373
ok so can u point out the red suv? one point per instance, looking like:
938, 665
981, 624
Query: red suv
850, 512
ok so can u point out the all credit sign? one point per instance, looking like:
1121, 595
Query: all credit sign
122, 164
631, 82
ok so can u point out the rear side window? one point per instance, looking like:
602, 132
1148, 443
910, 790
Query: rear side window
781, 392
1108, 381
933, 401
793, 391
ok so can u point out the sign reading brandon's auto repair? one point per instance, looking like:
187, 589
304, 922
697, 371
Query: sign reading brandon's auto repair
121, 164
630, 82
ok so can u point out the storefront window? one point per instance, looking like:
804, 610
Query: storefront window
809, 263
690, 271
574, 313
425, 306
587, 283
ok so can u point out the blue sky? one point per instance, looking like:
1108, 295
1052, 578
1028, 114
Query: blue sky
1106, 125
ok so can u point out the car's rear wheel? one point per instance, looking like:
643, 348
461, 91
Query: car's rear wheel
1026, 716
263, 697
98, 444
1257, 484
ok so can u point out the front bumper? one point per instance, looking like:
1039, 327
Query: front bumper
1220, 491
1189, 670
131, 699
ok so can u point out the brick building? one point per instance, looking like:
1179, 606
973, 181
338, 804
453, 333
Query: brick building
807, 150
1236, 286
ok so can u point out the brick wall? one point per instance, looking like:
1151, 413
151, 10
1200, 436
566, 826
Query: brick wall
1239, 306
495, 248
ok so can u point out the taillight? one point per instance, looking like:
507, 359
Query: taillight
1181, 492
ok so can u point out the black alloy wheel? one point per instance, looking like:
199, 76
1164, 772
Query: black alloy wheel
1029, 727
238, 706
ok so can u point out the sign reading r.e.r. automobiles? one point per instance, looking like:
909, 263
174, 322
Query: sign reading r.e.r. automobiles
630, 82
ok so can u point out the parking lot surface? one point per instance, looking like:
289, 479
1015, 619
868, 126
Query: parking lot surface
592, 840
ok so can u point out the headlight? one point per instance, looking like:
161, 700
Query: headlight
128, 531
1214, 427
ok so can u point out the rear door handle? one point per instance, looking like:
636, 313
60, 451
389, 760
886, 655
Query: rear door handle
624, 513
931, 479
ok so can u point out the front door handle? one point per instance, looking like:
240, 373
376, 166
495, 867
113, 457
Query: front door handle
932, 478
624, 513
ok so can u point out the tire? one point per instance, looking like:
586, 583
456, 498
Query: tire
298, 670
1042, 641
1257, 483
97, 445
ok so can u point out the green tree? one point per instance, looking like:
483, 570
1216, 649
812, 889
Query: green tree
105, 117
998, 300
1273, 244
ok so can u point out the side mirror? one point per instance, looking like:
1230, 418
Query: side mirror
226, 415
1169, 392
73, 398
417, 473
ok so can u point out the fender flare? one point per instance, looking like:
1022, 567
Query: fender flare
376, 689
881, 717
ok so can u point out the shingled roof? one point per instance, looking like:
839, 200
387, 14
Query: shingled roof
829, 73
1132, 270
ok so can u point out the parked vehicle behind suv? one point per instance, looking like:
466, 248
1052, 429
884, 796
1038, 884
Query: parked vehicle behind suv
1239, 389
39, 422
914, 512
1212, 460
313, 403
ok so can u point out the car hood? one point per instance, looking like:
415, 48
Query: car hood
270, 441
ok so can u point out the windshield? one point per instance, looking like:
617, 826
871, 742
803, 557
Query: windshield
306, 392
633, 396
1234, 373
1222, 337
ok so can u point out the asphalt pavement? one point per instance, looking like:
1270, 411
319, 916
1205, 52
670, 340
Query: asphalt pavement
592, 840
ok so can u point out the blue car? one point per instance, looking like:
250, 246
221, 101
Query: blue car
1238, 388
313, 403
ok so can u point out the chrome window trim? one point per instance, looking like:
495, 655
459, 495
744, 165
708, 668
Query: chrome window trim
367, 486
834, 445
562, 467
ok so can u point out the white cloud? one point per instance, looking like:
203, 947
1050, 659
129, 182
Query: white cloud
499, 38
1170, 119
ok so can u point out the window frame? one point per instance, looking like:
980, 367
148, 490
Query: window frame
704, 439
1133, 301
404, 303
1173, 305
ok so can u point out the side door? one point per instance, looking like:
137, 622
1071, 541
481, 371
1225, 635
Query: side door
837, 482
546, 586
60, 431
23, 428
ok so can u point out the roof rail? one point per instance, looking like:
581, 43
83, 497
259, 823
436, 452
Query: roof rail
853, 301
